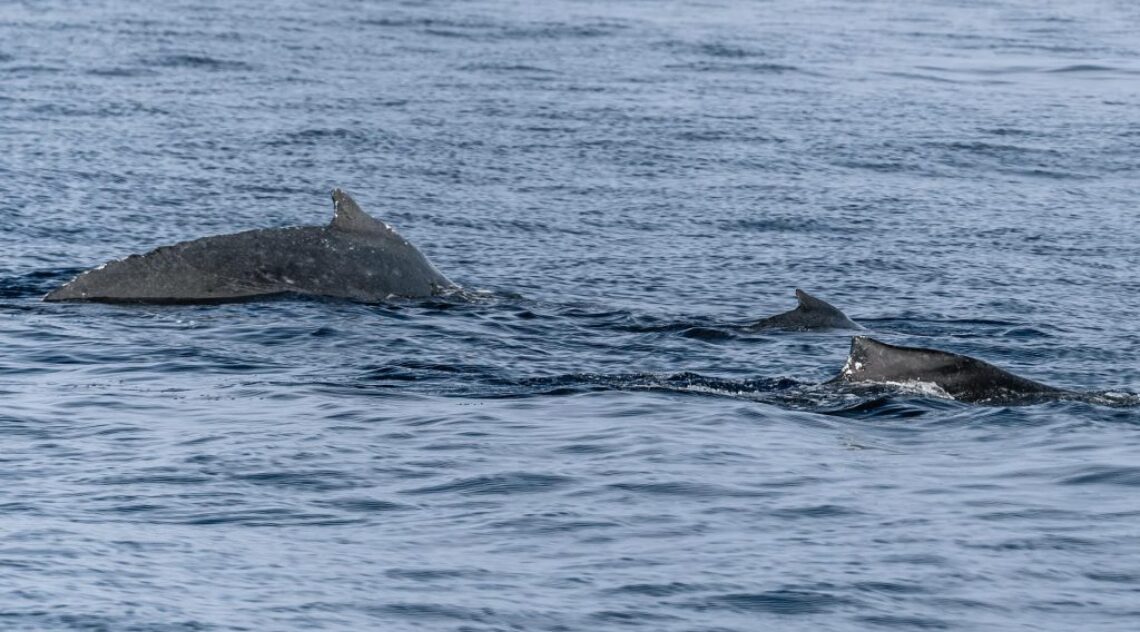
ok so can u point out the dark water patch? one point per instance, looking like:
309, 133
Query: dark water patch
793, 601
477, 29
1014, 131
1126, 578
994, 149
32, 70
890, 588
815, 512
506, 68
1104, 475
36, 283
125, 72
40, 619
684, 383
317, 481
311, 138
1048, 542
918, 76
157, 478
1090, 68
661, 590
423, 611
690, 489
421, 22
729, 51
551, 525
364, 505
745, 68
885, 407
436, 574
796, 225
903, 622
254, 517
708, 334
509, 483
575, 30
631, 617
199, 62
1027, 333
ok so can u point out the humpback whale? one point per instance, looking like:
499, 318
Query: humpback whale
810, 313
355, 256
960, 377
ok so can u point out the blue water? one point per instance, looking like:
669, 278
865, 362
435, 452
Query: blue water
592, 442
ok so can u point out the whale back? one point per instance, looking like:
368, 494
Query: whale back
355, 256
959, 376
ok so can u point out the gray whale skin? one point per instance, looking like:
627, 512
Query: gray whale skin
810, 313
355, 257
960, 377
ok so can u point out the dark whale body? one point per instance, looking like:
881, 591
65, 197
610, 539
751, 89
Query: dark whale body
810, 314
960, 377
355, 256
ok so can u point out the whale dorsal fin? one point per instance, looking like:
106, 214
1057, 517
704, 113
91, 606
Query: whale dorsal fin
348, 217
813, 304
865, 353
863, 346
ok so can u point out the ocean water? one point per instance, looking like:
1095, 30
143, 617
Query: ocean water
590, 441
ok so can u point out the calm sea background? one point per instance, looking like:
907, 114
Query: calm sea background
592, 442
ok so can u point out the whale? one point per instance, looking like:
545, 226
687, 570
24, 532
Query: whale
810, 313
355, 256
951, 375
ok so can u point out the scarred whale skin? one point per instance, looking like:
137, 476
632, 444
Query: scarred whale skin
355, 257
960, 377
811, 313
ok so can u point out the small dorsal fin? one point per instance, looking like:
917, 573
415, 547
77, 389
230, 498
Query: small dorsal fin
348, 216
811, 303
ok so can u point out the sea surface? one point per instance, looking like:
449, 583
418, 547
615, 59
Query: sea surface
589, 438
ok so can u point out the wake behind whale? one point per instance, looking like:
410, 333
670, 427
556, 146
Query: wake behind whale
355, 256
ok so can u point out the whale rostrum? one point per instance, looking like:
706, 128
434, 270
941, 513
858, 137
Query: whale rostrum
957, 376
355, 257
